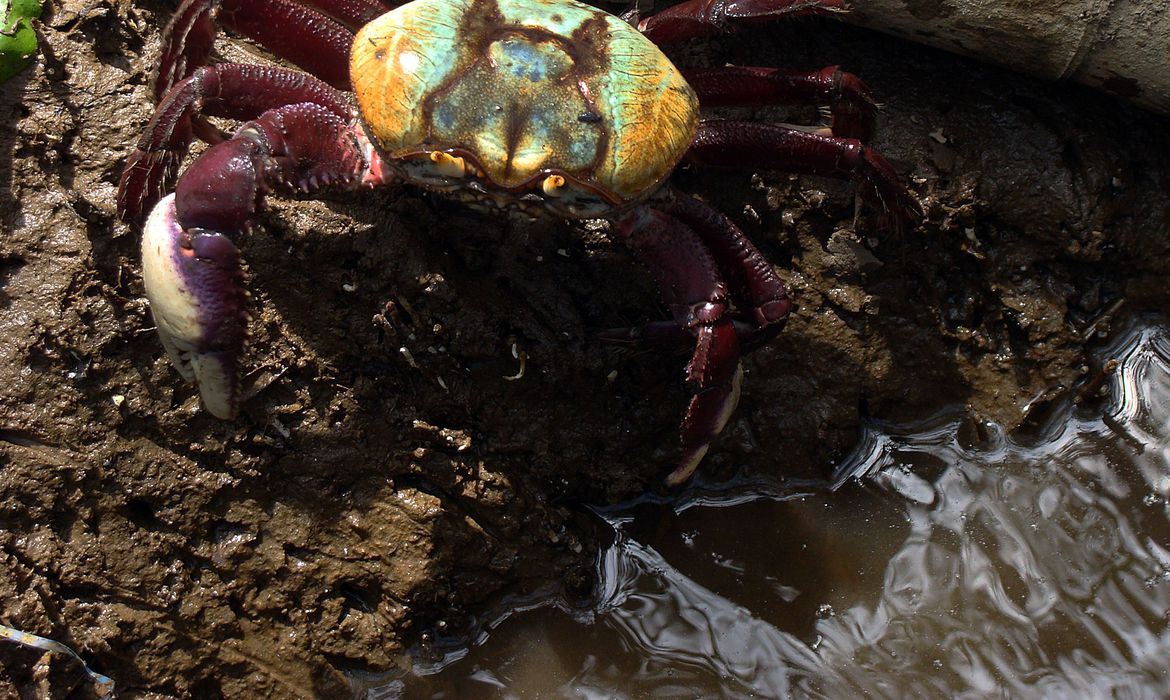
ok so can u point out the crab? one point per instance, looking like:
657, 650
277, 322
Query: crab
516, 107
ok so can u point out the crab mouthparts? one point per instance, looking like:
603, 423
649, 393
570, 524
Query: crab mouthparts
458, 174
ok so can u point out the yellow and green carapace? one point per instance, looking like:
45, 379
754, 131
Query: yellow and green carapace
552, 97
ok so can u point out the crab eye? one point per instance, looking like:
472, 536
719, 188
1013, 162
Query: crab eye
552, 185
448, 165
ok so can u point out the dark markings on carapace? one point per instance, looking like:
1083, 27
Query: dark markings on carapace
482, 25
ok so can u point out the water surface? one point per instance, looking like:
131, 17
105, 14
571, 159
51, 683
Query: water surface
951, 561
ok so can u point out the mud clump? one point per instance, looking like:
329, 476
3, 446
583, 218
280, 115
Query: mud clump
390, 475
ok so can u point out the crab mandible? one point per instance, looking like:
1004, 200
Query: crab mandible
543, 107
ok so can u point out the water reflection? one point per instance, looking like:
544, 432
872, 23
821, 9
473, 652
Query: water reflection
950, 563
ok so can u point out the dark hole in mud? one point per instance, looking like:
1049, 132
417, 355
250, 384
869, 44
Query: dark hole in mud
142, 514
364, 597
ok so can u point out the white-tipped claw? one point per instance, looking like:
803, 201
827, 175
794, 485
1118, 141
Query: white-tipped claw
193, 281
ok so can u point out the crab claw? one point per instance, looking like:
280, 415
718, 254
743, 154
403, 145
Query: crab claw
194, 282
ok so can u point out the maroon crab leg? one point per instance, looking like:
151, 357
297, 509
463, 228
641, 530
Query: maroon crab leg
746, 269
851, 105
354, 13
697, 18
691, 249
849, 100
231, 90
690, 283
739, 144
301, 35
191, 265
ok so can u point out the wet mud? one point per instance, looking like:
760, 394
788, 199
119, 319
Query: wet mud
397, 467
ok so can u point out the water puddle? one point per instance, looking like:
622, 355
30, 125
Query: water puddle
952, 561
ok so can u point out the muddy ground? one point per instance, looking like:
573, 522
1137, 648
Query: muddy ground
387, 480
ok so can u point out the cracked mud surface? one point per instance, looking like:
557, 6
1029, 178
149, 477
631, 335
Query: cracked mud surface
386, 479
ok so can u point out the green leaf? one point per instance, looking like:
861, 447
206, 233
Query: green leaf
18, 41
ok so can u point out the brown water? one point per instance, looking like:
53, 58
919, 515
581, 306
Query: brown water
952, 561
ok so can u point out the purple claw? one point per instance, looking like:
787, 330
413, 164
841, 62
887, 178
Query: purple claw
194, 282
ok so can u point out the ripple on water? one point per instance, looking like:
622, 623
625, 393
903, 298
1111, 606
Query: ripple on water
937, 566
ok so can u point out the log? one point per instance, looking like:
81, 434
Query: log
1119, 46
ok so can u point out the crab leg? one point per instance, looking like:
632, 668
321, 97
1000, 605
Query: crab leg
697, 18
689, 281
353, 13
191, 265
739, 144
746, 269
849, 100
232, 90
299, 34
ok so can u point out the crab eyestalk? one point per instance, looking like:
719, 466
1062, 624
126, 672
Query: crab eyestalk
448, 165
552, 185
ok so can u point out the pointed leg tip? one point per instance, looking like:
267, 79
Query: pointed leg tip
882, 187
144, 178
708, 414
686, 467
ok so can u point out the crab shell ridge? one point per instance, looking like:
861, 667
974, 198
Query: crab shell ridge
521, 90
